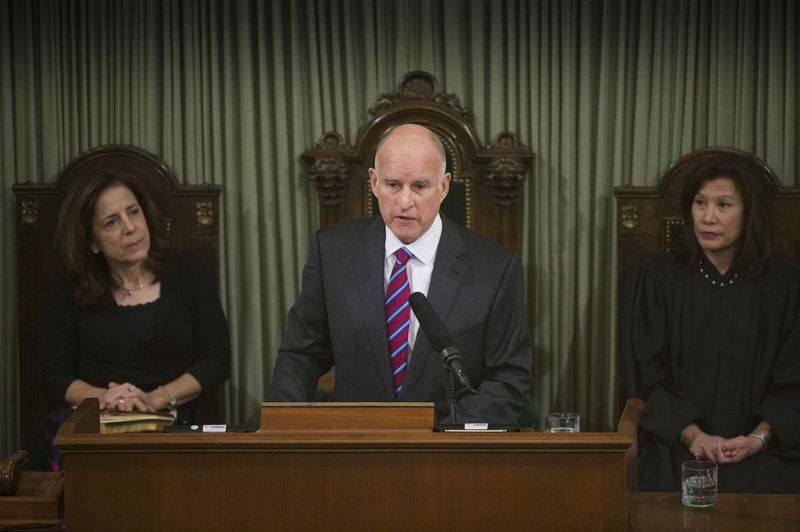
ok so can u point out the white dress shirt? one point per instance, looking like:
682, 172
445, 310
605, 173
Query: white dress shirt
419, 268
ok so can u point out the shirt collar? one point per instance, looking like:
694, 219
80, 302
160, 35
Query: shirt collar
423, 248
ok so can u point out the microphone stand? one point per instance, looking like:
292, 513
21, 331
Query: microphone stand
449, 390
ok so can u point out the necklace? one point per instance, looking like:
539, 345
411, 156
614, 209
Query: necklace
129, 291
719, 283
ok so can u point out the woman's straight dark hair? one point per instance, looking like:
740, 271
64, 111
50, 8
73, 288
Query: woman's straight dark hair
73, 237
754, 245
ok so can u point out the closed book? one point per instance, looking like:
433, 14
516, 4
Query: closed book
116, 422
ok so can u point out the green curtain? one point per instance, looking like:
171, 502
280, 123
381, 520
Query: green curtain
605, 92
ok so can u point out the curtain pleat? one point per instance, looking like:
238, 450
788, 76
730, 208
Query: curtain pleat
231, 92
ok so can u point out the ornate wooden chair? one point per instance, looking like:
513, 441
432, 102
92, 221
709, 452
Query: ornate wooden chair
190, 214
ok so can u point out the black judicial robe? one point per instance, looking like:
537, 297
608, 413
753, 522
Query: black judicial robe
722, 352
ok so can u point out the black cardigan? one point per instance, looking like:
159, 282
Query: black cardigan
99, 345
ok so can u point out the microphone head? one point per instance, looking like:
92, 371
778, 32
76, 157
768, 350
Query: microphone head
430, 322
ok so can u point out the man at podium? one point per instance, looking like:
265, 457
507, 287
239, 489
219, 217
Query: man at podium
353, 309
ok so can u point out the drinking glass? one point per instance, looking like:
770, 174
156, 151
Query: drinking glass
563, 422
699, 483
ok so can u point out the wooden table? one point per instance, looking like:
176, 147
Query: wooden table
656, 512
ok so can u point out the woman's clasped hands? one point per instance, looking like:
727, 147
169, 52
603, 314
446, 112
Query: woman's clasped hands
126, 397
718, 449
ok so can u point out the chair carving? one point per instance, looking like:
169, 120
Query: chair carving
189, 213
486, 180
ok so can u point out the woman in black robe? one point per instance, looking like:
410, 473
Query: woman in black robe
710, 337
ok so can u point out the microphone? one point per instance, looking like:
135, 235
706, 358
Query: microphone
439, 337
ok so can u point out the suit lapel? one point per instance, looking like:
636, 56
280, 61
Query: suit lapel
369, 264
448, 273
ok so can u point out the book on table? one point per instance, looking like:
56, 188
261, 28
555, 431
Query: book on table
115, 422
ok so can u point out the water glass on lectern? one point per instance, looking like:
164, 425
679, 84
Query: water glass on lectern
563, 422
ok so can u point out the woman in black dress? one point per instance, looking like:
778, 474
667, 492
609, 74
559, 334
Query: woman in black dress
710, 337
134, 323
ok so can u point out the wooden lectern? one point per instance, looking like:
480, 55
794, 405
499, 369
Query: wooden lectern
335, 476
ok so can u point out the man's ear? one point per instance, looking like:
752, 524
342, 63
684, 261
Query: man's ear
445, 184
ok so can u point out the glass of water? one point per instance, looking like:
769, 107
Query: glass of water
563, 422
699, 483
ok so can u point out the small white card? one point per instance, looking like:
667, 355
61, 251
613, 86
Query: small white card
476, 426
214, 428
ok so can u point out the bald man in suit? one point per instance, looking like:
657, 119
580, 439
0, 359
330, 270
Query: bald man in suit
473, 284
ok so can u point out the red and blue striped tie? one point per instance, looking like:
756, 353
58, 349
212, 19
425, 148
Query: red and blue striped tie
398, 317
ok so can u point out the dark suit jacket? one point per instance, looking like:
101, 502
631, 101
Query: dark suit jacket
339, 317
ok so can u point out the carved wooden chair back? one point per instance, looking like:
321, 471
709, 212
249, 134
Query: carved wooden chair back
486, 180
